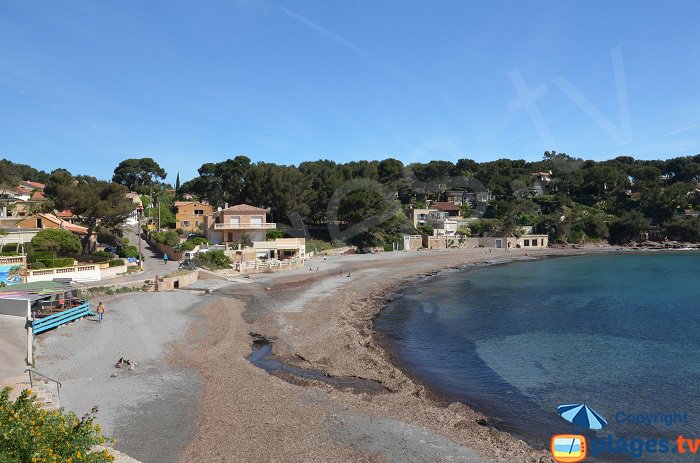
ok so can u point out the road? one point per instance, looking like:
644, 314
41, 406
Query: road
152, 263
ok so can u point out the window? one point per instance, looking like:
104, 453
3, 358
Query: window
185, 223
256, 220
526, 243
199, 212
234, 219
197, 223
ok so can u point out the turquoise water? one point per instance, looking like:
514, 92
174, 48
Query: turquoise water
620, 333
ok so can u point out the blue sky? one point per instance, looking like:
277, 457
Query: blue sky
85, 84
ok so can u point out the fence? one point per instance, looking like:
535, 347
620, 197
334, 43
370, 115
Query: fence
270, 266
76, 273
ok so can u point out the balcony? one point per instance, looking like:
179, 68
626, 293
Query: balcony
244, 226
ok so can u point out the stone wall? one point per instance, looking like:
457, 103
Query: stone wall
169, 283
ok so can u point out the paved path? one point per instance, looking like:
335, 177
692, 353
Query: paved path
152, 264
13, 346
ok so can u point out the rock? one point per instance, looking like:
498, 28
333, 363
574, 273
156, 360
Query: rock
113, 375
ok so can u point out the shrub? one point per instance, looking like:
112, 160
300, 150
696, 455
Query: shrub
273, 234
58, 262
426, 229
58, 240
129, 251
187, 246
116, 263
38, 265
213, 260
196, 240
31, 434
170, 238
10, 247
101, 254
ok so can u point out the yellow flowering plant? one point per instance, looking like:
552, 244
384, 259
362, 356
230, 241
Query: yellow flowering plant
30, 434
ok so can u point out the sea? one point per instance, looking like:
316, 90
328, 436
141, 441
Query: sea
619, 333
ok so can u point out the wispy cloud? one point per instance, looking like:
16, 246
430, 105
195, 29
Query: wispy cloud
322, 30
684, 129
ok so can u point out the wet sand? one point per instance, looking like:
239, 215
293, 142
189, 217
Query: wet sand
322, 320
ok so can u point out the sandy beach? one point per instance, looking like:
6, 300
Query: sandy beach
322, 320
196, 396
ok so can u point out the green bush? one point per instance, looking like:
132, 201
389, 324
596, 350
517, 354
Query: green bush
213, 260
38, 265
101, 254
129, 251
196, 240
10, 247
170, 238
187, 246
58, 262
273, 234
57, 240
29, 433
116, 263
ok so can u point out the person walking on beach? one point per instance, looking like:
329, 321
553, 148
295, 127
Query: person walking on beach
100, 312
165, 259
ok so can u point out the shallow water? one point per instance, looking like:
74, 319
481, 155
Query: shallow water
261, 357
620, 333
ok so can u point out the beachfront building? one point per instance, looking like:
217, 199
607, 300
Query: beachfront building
230, 224
189, 215
509, 242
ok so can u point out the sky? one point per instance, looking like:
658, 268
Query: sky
85, 84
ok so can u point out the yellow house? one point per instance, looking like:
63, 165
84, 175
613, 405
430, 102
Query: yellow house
189, 215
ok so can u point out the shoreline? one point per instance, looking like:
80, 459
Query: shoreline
292, 310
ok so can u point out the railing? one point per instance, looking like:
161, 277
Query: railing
52, 321
58, 384
12, 260
33, 373
244, 226
77, 272
272, 263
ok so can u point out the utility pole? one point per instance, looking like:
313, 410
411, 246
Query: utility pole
158, 214
138, 232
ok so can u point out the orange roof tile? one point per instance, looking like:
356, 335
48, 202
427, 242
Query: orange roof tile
445, 206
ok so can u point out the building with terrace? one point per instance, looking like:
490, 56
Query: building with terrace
230, 224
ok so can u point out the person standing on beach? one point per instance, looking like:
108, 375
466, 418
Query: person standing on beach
100, 312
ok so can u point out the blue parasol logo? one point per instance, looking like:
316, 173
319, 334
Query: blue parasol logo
582, 416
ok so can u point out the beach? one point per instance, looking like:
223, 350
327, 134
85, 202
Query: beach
322, 320
196, 396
